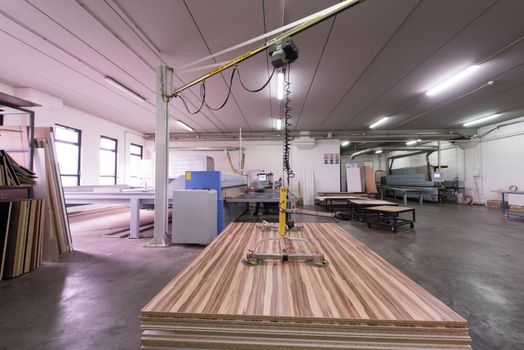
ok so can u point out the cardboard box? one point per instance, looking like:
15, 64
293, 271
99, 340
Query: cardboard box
495, 204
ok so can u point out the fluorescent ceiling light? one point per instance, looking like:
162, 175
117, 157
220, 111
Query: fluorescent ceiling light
481, 120
279, 124
378, 151
280, 85
344, 143
378, 122
124, 89
413, 142
184, 126
452, 81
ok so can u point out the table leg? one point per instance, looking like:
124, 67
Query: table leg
394, 227
405, 198
135, 218
413, 215
421, 198
503, 205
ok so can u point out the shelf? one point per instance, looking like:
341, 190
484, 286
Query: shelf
15, 187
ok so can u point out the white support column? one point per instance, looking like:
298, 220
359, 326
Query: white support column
438, 160
163, 87
134, 227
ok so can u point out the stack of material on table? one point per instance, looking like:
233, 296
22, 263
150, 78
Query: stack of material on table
495, 204
358, 301
14, 174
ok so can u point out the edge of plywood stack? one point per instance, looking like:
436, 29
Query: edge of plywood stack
58, 233
189, 313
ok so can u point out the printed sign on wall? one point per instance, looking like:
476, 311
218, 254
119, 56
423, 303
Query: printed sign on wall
331, 158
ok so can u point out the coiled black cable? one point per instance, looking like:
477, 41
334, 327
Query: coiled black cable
286, 134
203, 101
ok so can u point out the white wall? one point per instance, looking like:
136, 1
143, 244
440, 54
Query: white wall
267, 155
499, 159
54, 112
327, 176
260, 155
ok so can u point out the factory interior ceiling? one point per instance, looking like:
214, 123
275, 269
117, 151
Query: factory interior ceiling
374, 60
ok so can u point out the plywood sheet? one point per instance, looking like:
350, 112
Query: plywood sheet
357, 284
369, 180
359, 301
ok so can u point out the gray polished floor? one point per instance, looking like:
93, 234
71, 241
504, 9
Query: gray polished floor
469, 257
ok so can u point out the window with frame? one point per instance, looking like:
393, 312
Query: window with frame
108, 160
136, 153
67, 143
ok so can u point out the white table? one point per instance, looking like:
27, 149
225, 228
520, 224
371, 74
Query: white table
136, 200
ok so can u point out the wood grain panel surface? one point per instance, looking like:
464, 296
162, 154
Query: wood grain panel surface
356, 286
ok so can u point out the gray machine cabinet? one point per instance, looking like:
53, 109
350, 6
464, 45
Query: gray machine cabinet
194, 216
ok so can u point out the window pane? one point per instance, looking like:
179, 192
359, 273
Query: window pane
67, 158
107, 143
63, 134
136, 150
107, 163
106, 181
69, 181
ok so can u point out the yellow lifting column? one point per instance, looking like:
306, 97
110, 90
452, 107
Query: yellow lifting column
282, 212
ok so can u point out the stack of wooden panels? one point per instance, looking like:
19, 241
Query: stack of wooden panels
12, 173
359, 301
21, 236
57, 222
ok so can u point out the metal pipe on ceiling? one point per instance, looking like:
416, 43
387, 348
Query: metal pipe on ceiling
487, 132
354, 136
205, 149
391, 159
417, 149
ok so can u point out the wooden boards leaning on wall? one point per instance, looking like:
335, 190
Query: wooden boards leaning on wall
21, 236
57, 222
358, 301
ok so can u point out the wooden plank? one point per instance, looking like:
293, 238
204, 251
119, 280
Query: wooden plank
5, 217
12, 237
390, 209
369, 180
371, 202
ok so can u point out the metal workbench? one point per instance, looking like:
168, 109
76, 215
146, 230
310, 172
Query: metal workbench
389, 216
420, 191
507, 212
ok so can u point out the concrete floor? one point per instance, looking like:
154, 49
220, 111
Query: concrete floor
469, 257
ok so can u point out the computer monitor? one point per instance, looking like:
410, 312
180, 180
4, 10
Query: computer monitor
438, 177
262, 177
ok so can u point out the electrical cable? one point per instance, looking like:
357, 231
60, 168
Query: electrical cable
229, 88
202, 87
286, 136
259, 89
